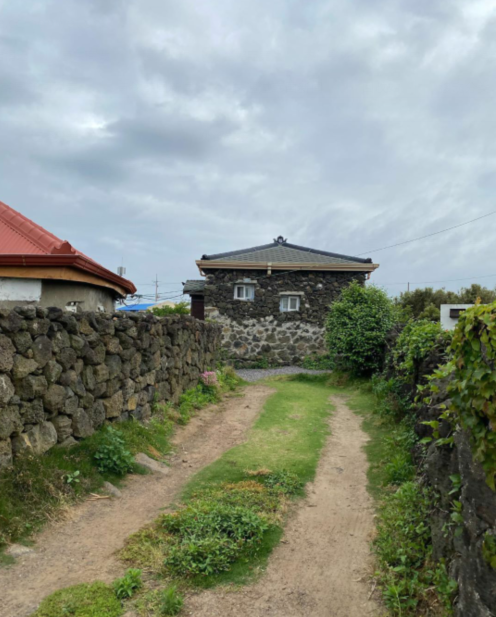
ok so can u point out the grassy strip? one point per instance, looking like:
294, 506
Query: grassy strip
412, 583
234, 509
37, 488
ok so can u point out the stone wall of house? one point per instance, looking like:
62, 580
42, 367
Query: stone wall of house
254, 330
63, 375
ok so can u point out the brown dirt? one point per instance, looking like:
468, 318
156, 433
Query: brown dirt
322, 567
83, 547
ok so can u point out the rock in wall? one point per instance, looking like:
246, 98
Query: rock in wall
62, 375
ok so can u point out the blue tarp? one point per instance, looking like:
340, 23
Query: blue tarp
135, 307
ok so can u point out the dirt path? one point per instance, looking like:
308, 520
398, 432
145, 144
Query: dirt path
83, 548
322, 568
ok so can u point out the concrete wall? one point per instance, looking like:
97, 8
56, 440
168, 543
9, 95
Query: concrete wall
46, 293
447, 322
62, 375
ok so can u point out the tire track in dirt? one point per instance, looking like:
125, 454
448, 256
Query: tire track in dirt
322, 567
82, 548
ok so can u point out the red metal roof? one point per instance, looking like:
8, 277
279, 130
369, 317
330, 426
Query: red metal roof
24, 242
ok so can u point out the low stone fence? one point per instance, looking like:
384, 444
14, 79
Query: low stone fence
62, 375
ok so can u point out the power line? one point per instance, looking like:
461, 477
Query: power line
435, 233
468, 278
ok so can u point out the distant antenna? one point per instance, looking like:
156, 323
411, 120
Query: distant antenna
121, 271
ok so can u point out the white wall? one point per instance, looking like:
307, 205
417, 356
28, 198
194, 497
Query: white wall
16, 290
447, 323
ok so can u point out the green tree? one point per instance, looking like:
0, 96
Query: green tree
356, 328
181, 308
420, 303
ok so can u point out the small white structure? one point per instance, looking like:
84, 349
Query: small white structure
450, 314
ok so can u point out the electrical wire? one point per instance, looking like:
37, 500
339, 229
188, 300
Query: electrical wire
435, 233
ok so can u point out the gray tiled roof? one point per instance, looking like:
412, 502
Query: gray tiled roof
281, 251
192, 287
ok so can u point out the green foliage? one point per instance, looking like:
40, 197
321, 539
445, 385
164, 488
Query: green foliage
472, 384
403, 547
356, 328
422, 303
416, 341
228, 379
208, 536
181, 308
86, 600
431, 313
112, 455
284, 481
391, 401
489, 549
171, 601
318, 362
128, 585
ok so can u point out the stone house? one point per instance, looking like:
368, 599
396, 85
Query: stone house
272, 300
37, 268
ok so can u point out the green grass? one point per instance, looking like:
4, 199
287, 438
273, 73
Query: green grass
411, 582
86, 600
289, 434
286, 439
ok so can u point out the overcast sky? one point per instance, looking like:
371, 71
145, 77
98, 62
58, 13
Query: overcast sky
150, 132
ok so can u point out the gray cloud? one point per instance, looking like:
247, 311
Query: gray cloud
153, 131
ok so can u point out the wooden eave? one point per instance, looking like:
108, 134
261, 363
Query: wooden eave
245, 265
73, 268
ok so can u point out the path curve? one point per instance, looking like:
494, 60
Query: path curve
83, 549
322, 567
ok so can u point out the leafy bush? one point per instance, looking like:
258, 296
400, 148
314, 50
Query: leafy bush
86, 600
112, 455
318, 362
128, 585
181, 308
416, 341
172, 601
228, 379
356, 328
471, 384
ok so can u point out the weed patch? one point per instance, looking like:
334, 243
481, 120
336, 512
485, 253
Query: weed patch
86, 600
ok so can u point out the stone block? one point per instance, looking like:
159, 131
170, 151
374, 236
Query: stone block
52, 371
81, 424
10, 421
55, 398
97, 414
42, 350
23, 367
67, 358
7, 351
114, 365
32, 412
71, 405
63, 426
7, 389
42, 437
101, 373
95, 356
114, 405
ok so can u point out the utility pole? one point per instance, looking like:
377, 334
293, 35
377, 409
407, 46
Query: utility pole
156, 288
408, 286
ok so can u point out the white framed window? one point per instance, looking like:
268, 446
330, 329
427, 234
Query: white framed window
289, 303
244, 292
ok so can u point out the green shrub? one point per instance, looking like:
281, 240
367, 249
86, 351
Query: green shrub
318, 362
171, 602
128, 585
181, 308
112, 455
356, 328
415, 343
86, 600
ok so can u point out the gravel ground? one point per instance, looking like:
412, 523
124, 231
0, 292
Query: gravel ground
254, 374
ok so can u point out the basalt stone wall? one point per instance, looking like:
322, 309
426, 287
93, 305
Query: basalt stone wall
63, 375
461, 545
253, 330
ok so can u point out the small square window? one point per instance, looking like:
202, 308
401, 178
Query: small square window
289, 303
244, 292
